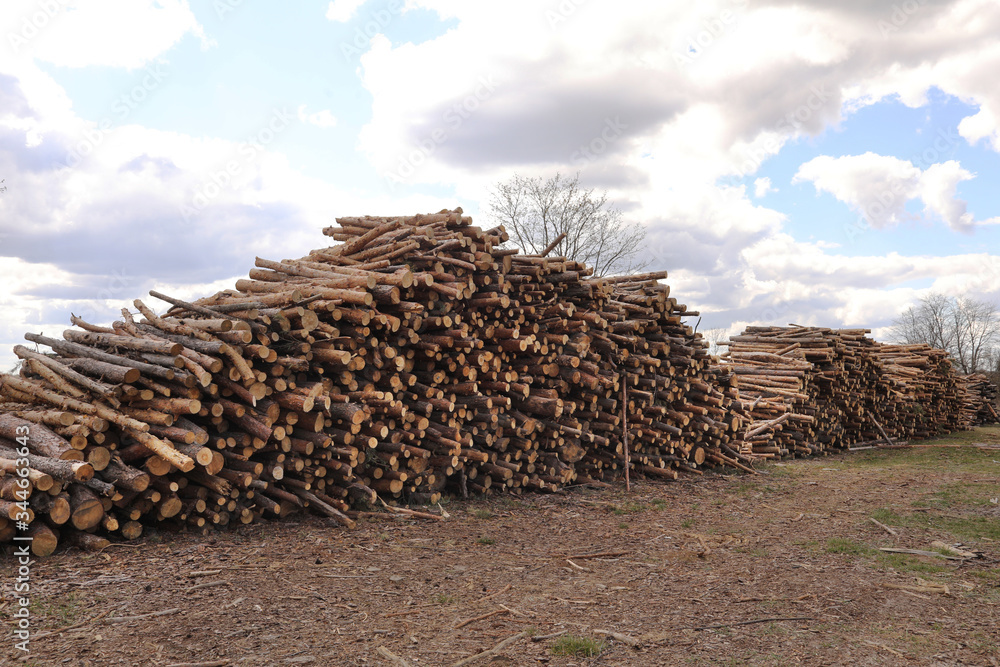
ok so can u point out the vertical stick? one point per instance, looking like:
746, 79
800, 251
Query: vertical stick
628, 462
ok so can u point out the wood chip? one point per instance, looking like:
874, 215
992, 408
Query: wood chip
480, 618
884, 527
625, 639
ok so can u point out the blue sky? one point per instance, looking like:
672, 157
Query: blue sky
261, 59
922, 135
164, 144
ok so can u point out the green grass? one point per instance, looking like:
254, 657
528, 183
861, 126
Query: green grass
628, 507
660, 504
62, 611
808, 545
839, 545
959, 528
883, 559
584, 647
954, 459
956, 494
687, 523
443, 598
907, 563
486, 540
482, 514
779, 469
992, 577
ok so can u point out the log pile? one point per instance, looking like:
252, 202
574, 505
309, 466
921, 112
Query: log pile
981, 400
415, 357
926, 392
811, 390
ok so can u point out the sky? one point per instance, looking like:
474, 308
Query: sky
792, 161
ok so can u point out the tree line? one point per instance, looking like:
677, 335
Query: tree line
969, 329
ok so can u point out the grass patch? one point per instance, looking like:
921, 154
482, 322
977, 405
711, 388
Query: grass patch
778, 469
908, 563
443, 598
954, 459
486, 540
584, 647
839, 545
990, 576
957, 494
628, 507
959, 528
809, 545
482, 514
687, 523
660, 504
63, 610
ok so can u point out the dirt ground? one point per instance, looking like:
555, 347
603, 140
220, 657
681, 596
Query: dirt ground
781, 568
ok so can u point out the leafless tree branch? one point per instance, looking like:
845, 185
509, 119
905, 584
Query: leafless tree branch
968, 329
536, 211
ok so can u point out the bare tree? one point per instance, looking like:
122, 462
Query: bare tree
715, 336
968, 329
537, 212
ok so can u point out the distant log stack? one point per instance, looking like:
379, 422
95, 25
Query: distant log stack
812, 390
980, 402
926, 392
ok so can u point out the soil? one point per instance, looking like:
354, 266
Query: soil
780, 568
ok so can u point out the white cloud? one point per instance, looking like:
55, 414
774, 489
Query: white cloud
112, 33
777, 70
878, 187
762, 186
70, 242
323, 118
343, 11
474, 105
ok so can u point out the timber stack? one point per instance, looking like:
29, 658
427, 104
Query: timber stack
416, 357
812, 390
926, 392
981, 400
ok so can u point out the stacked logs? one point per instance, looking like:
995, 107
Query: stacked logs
981, 399
418, 357
926, 392
415, 357
811, 390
